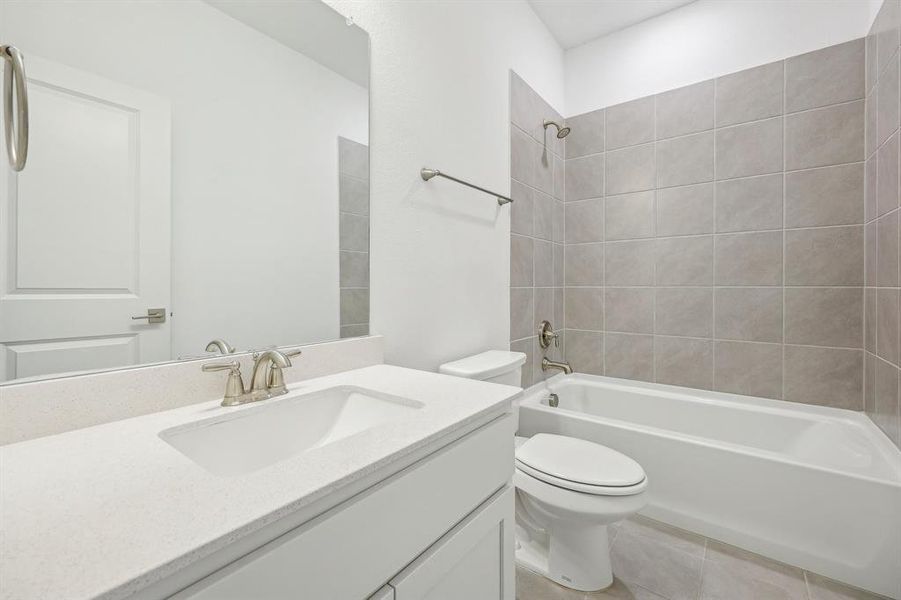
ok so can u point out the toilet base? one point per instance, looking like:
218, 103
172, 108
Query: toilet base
582, 563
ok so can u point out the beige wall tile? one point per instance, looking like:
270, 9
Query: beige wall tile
685, 261
630, 123
685, 210
629, 310
749, 258
629, 216
749, 95
752, 369
825, 376
585, 177
586, 135
584, 264
684, 312
749, 314
629, 263
825, 136
631, 169
585, 308
685, 160
684, 361
822, 316
629, 356
749, 203
829, 256
825, 196
751, 149
584, 221
828, 76
685, 110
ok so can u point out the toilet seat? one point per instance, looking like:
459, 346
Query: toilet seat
579, 465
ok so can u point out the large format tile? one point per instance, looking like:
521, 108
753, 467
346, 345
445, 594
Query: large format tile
522, 209
353, 158
544, 264
887, 102
630, 123
585, 308
684, 312
629, 170
685, 160
825, 136
683, 361
532, 586
685, 110
888, 344
629, 310
887, 176
829, 256
668, 569
749, 258
584, 264
522, 251
354, 269
585, 351
831, 75
749, 204
354, 306
887, 250
748, 314
749, 95
586, 134
685, 261
870, 197
824, 316
584, 221
685, 210
585, 177
353, 232
543, 216
886, 409
733, 574
629, 356
629, 263
825, 196
522, 310
629, 216
825, 376
752, 369
750, 149
869, 320
353, 195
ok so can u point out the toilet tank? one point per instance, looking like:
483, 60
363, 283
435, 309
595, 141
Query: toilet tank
496, 366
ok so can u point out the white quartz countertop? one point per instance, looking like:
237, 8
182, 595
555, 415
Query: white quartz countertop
108, 510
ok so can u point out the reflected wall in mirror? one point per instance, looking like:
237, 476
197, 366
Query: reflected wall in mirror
207, 160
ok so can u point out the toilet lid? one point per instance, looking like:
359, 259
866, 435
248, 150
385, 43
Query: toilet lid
578, 461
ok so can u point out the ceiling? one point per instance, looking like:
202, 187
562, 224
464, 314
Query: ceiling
311, 28
574, 22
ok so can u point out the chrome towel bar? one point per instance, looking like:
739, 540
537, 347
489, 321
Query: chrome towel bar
14, 73
427, 174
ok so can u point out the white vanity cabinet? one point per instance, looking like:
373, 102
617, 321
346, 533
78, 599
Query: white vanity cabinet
440, 529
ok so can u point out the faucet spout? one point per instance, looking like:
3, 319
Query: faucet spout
547, 364
260, 377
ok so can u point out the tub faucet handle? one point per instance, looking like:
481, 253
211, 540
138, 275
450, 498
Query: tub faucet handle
546, 333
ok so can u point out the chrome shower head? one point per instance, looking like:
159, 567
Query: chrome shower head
562, 132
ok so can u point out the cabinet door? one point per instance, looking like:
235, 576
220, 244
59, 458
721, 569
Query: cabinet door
474, 560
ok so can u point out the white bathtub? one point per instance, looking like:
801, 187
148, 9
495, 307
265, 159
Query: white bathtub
815, 487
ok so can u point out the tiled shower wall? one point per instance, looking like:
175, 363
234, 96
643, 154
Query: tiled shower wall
714, 233
353, 237
536, 224
882, 342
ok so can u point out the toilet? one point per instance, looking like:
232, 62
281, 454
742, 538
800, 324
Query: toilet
568, 490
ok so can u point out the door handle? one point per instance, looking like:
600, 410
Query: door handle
154, 315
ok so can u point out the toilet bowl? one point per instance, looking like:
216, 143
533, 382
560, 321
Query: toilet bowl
568, 491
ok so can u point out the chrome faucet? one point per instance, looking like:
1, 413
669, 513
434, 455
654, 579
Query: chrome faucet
547, 364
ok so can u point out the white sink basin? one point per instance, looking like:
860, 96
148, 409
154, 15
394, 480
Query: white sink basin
277, 429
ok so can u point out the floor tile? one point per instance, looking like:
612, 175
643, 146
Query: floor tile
734, 574
532, 586
660, 561
620, 590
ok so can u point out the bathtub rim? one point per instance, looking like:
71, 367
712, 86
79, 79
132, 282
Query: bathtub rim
533, 395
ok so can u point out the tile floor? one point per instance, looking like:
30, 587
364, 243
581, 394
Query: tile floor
653, 561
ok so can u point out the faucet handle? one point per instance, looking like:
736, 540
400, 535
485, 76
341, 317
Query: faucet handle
275, 381
234, 387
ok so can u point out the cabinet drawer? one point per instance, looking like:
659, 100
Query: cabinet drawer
357, 546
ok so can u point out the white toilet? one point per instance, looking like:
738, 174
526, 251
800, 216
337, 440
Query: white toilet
568, 490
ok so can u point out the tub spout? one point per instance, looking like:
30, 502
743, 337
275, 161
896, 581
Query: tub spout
547, 364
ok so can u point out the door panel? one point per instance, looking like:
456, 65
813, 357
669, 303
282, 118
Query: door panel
85, 228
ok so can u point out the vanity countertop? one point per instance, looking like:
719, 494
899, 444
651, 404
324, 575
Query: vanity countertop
108, 510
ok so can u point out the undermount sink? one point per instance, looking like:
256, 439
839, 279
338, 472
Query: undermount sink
275, 430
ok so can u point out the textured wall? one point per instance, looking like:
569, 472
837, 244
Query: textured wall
883, 101
714, 233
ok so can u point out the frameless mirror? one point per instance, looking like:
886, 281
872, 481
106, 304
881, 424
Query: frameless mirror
196, 170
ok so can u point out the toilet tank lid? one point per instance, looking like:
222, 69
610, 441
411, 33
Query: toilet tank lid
485, 365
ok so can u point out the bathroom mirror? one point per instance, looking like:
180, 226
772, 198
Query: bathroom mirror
196, 170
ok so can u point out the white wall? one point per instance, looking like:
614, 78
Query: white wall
255, 192
440, 98
705, 39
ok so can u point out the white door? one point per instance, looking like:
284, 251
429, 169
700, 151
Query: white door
85, 228
474, 560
